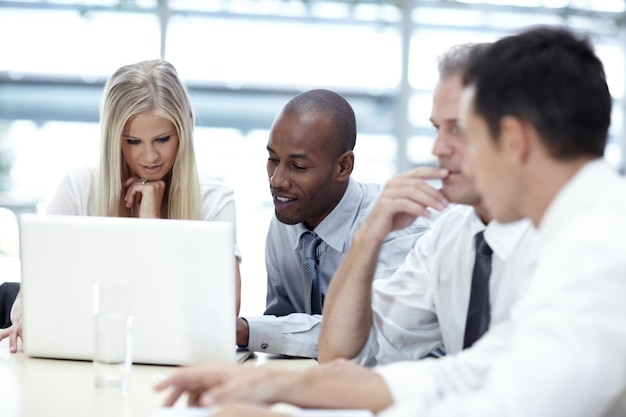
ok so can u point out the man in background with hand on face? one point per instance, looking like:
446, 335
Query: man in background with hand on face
459, 279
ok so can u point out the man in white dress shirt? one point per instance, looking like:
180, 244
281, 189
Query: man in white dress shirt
424, 304
536, 112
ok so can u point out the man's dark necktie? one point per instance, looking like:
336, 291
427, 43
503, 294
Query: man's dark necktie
479, 310
310, 242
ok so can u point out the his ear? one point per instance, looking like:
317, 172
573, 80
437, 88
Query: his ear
515, 139
345, 165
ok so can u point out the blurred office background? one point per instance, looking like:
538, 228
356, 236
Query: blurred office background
242, 60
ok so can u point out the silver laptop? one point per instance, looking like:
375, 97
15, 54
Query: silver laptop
183, 273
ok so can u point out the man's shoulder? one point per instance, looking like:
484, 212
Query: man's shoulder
370, 188
456, 215
355, 205
451, 221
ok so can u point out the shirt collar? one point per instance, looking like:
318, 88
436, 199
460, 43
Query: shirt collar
503, 238
336, 226
577, 195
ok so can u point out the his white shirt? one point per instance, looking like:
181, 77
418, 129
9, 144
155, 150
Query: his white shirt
424, 303
563, 351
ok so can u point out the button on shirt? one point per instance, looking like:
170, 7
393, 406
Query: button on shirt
287, 326
563, 350
424, 303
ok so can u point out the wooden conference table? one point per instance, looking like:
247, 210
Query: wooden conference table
31, 387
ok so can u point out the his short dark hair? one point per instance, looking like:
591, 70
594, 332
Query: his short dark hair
551, 78
343, 120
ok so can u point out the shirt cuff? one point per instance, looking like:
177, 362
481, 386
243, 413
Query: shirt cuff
410, 381
293, 335
264, 334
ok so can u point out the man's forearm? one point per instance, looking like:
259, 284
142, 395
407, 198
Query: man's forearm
326, 387
347, 315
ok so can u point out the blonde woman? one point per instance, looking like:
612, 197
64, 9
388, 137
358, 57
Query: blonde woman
147, 162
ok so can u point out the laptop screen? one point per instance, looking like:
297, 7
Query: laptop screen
183, 272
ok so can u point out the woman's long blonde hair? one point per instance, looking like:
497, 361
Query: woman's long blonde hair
152, 86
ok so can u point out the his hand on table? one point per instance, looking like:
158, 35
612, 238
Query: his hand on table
213, 384
338, 384
15, 331
241, 410
243, 332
